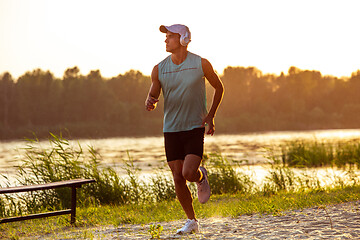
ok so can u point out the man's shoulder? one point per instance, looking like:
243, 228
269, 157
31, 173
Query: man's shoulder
194, 55
165, 59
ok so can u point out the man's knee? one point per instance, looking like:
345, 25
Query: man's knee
190, 170
190, 175
179, 179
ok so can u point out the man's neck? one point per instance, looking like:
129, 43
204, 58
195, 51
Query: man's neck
179, 57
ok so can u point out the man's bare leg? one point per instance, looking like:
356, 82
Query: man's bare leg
186, 170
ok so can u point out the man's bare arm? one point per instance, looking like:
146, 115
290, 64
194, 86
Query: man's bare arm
217, 84
154, 92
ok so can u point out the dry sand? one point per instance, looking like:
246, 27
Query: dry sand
340, 221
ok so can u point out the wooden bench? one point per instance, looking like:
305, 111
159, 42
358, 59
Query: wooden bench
73, 184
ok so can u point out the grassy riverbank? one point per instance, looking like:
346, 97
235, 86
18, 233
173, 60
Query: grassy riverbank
228, 205
115, 200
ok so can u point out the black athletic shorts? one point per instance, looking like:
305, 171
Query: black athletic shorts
180, 144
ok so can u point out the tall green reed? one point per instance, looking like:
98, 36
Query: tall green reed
306, 153
223, 177
162, 188
280, 177
348, 153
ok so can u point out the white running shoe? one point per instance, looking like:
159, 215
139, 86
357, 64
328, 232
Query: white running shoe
203, 187
191, 226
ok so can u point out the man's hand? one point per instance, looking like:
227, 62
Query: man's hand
210, 121
151, 103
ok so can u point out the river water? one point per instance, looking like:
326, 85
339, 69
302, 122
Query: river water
148, 152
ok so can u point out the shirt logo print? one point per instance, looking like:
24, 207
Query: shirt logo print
180, 70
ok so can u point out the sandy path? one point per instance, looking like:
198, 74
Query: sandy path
341, 221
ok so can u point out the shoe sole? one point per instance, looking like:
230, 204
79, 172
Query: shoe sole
182, 233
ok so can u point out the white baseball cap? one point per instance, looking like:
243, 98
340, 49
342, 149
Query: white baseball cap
185, 35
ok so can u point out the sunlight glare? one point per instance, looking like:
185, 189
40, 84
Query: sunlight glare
116, 36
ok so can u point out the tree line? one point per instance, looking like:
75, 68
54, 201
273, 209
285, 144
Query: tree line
93, 106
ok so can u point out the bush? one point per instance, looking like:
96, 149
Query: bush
223, 177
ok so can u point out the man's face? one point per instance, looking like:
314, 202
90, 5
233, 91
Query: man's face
172, 41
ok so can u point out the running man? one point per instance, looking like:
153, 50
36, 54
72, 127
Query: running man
181, 78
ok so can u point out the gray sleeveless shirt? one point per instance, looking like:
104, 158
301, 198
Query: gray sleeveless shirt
183, 88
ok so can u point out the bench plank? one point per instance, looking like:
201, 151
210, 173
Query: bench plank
66, 183
34, 216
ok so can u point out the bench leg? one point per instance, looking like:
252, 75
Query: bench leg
73, 205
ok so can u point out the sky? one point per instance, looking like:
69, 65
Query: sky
116, 36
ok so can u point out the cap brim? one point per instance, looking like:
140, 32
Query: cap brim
163, 29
